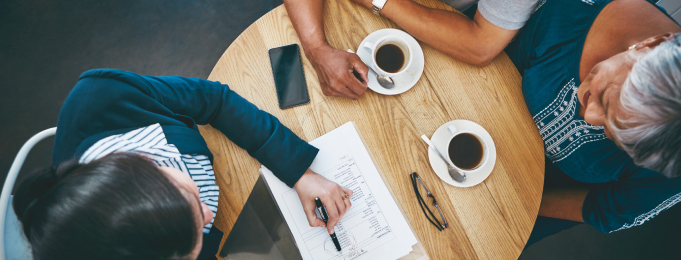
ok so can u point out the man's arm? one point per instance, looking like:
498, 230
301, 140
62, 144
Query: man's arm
306, 16
334, 67
563, 203
476, 41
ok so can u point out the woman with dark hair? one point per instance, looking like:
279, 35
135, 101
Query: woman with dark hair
94, 217
602, 80
132, 177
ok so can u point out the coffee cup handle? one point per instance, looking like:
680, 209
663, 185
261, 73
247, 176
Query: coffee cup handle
452, 130
369, 46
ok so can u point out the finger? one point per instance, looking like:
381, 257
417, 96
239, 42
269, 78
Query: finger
354, 84
340, 204
348, 205
344, 91
346, 200
338, 94
312, 216
361, 69
332, 211
329, 91
335, 93
347, 191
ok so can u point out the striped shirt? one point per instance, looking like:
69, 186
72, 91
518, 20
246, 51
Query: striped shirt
151, 142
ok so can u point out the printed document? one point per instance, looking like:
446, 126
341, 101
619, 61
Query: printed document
373, 228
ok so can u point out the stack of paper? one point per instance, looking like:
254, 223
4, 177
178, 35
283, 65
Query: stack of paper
373, 228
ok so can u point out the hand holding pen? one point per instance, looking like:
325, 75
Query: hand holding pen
334, 197
322, 213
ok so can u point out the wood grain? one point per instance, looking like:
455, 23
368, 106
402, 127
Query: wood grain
491, 220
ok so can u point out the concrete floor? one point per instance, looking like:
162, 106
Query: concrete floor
45, 45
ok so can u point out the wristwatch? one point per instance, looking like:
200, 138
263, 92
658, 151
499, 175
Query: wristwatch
377, 6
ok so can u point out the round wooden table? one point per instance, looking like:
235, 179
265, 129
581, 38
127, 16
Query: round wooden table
491, 220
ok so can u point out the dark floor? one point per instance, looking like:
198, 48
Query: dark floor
45, 45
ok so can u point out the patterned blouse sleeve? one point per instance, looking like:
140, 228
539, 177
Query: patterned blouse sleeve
631, 202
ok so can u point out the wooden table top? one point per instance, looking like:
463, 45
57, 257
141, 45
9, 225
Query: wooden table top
491, 220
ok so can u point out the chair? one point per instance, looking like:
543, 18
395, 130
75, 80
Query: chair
13, 244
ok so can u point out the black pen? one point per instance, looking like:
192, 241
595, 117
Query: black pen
325, 217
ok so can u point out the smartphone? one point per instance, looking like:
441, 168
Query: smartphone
289, 79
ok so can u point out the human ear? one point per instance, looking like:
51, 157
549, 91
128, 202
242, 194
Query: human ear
207, 214
656, 40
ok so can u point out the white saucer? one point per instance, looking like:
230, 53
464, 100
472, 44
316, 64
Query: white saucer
416, 69
440, 139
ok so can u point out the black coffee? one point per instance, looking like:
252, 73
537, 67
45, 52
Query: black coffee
390, 58
465, 151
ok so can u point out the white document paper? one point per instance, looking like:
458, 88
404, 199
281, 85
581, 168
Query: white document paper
373, 228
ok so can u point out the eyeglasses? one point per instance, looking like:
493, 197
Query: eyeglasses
420, 188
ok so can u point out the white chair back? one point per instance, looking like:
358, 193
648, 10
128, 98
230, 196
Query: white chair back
13, 244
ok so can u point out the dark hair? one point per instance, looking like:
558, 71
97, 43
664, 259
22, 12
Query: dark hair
120, 206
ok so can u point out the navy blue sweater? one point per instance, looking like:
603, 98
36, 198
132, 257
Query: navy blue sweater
106, 102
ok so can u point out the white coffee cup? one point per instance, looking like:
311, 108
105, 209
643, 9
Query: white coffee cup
454, 132
401, 44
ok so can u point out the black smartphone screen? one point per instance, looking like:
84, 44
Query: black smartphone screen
289, 78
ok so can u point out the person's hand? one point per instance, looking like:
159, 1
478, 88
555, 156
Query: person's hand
335, 198
365, 3
336, 71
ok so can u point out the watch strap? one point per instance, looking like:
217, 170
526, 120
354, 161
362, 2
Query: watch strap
377, 6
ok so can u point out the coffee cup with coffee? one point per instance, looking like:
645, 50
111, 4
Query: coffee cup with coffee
466, 150
391, 56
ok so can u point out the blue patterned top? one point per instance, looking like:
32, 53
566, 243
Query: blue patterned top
547, 52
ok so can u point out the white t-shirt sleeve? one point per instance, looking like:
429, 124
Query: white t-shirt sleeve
507, 14
460, 5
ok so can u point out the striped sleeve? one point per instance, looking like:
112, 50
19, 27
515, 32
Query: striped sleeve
151, 142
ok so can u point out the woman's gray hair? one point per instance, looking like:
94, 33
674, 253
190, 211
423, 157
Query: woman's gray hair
651, 96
